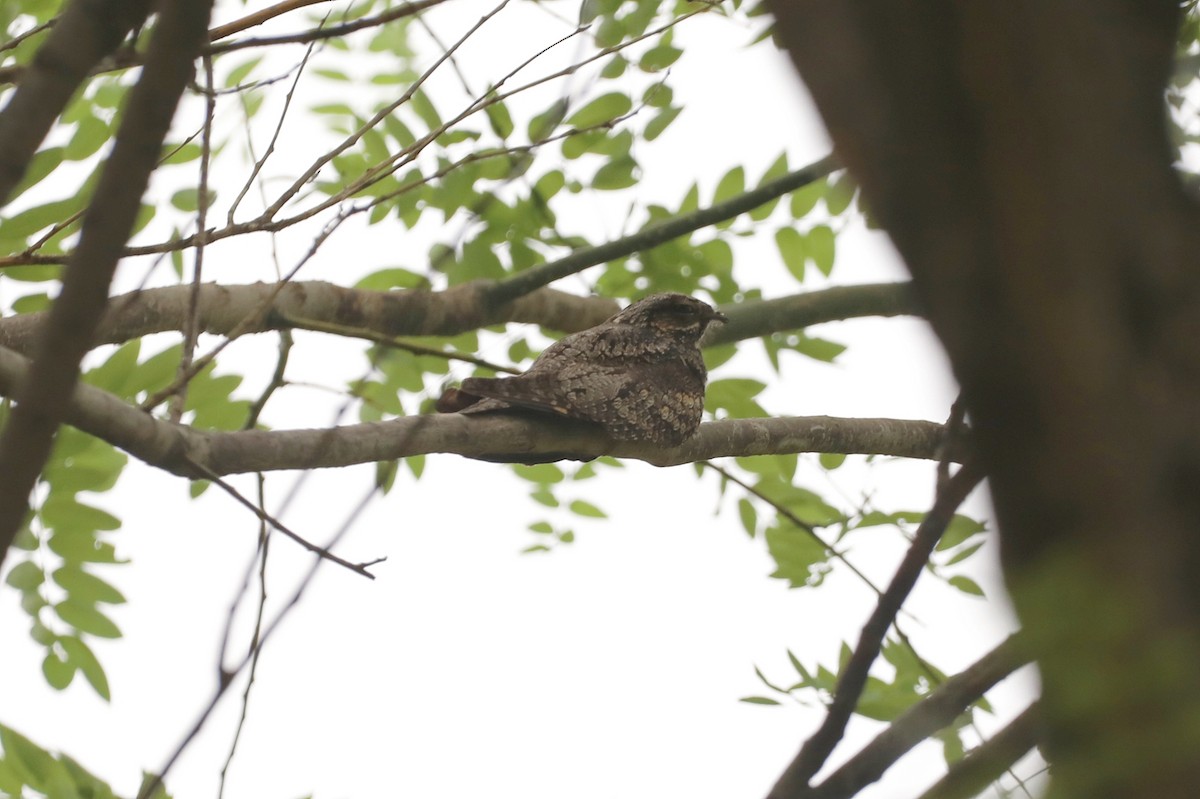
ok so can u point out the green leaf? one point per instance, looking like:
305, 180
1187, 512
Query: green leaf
792, 251
241, 71
966, 585
114, 373
540, 473
840, 193
90, 135
660, 122
659, 58
748, 516
42, 164
542, 126
180, 153
963, 554
805, 199
543, 497
27, 576
35, 219
603, 109
58, 672
85, 587
31, 303
500, 120
81, 546
820, 247
819, 348
87, 619
582, 508
831, 460
758, 700
799, 559
735, 395
731, 185
63, 512
616, 174
959, 530
80, 655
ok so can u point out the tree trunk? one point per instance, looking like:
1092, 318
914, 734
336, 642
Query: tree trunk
1017, 153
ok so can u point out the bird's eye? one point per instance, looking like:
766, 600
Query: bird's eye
684, 310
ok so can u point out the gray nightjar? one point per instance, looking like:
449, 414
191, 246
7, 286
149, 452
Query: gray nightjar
639, 374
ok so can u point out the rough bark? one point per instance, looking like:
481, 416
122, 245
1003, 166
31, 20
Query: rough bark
1017, 154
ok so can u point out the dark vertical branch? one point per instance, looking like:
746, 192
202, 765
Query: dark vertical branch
86, 32
25, 443
816, 750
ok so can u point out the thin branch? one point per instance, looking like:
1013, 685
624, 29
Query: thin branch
543, 275
914, 725
987, 762
261, 553
357, 568
816, 750
191, 331
70, 328
247, 322
277, 381
397, 343
319, 34
152, 785
799, 523
307, 176
20, 38
259, 17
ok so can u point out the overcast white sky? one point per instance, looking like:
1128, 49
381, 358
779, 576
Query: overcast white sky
612, 667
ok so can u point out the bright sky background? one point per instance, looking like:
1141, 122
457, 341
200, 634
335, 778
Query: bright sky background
611, 667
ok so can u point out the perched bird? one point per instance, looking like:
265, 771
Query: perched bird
639, 375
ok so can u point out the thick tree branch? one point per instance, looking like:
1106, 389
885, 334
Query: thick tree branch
177, 448
936, 711
85, 33
816, 750
70, 327
987, 762
221, 310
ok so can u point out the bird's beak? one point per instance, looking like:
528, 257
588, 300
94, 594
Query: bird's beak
717, 316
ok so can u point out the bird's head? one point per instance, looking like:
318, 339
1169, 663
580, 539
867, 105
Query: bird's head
672, 314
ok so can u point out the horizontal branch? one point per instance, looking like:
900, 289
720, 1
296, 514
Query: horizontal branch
223, 309
184, 451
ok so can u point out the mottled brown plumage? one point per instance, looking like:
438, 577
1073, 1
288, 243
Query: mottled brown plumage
640, 374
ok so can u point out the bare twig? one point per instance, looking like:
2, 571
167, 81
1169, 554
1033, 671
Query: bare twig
258, 18
152, 785
357, 568
322, 33
255, 648
191, 330
277, 381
